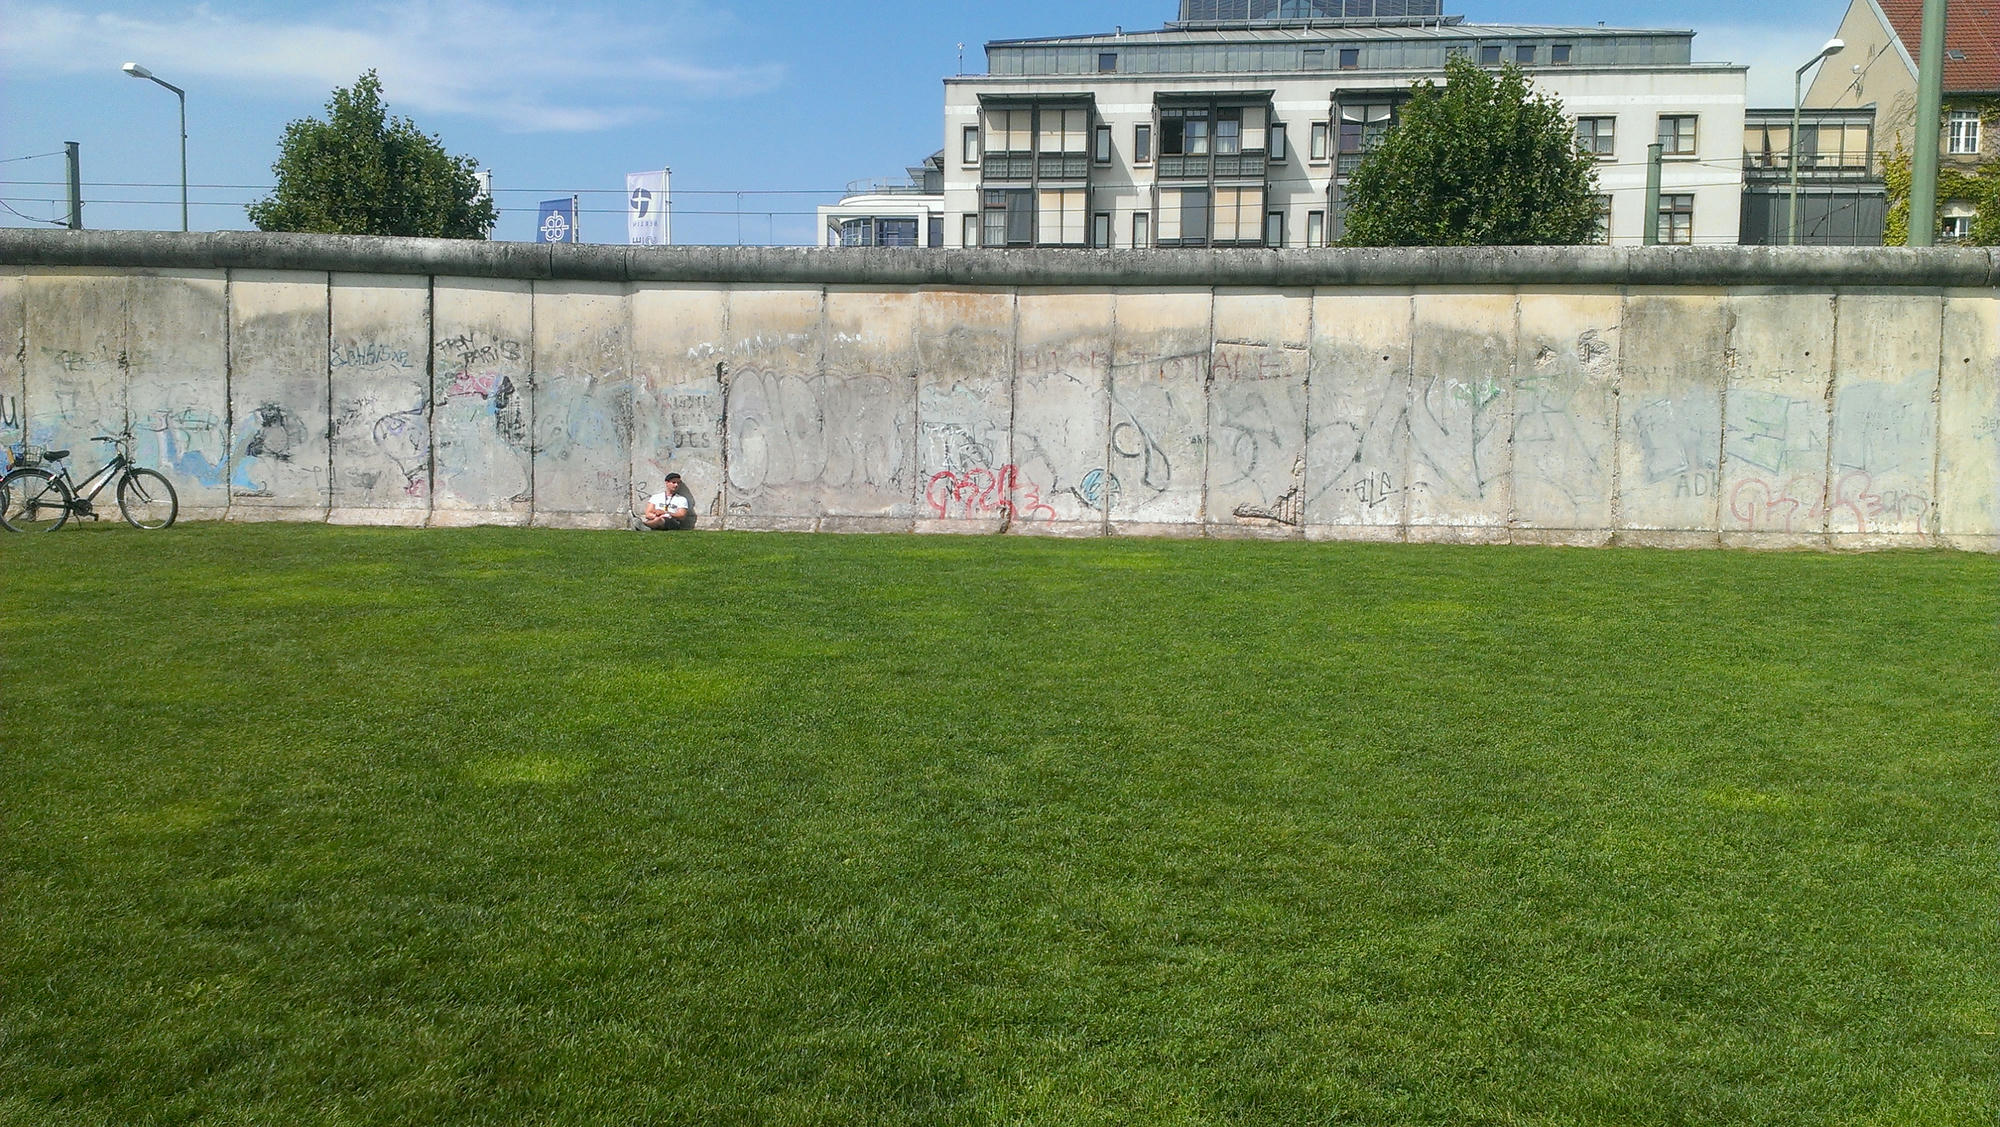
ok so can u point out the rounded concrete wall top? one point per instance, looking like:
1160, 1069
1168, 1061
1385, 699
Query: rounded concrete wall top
1734, 266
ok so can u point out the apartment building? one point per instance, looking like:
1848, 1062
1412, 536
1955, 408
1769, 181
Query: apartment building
1238, 124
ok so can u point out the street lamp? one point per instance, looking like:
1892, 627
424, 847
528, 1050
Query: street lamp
137, 71
1833, 47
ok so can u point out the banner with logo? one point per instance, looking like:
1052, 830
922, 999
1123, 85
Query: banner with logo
646, 218
557, 223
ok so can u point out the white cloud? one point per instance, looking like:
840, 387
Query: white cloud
499, 60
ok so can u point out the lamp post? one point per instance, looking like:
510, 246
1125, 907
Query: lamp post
137, 71
1833, 47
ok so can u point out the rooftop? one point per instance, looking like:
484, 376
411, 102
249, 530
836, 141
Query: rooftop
1971, 40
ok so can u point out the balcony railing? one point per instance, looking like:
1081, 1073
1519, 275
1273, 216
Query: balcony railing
1248, 164
1007, 166
1023, 166
1065, 166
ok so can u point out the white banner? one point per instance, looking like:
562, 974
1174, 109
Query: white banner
646, 220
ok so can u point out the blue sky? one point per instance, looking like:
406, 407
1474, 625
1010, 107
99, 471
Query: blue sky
761, 111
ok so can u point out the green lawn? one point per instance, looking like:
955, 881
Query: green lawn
307, 825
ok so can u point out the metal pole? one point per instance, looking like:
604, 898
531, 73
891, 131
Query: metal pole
73, 154
1651, 235
184, 153
1930, 108
1792, 161
1833, 47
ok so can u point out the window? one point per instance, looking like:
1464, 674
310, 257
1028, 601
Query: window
1318, 149
1677, 135
1009, 218
1229, 131
1102, 152
1274, 229
1559, 53
934, 231
1957, 225
1142, 229
1964, 132
1100, 229
1350, 58
970, 154
1184, 216
1010, 131
1315, 228
1142, 144
1676, 219
877, 231
1361, 128
1489, 56
1061, 219
1107, 62
1063, 130
1315, 58
968, 232
1603, 219
1239, 214
1597, 135
1525, 54
1277, 141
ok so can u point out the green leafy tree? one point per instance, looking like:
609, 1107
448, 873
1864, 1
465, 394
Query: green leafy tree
1483, 161
360, 172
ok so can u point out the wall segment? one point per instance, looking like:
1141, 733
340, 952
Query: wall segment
1757, 397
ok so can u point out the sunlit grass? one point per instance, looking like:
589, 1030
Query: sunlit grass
304, 825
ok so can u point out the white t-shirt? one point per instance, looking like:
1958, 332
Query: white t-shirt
674, 504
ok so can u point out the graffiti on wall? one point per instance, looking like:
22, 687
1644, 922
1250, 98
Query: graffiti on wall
480, 428
270, 438
841, 432
191, 441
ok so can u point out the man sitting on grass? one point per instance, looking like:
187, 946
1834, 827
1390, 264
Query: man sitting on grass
670, 510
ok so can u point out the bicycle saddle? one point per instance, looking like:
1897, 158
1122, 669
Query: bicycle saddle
54, 455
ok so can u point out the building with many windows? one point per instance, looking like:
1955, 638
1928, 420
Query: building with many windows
1237, 125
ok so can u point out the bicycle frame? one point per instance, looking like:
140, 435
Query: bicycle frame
87, 490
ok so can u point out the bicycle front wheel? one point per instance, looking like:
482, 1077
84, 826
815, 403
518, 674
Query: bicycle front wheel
34, 501
147, 499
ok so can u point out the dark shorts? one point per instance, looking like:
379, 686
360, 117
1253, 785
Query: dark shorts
672, 525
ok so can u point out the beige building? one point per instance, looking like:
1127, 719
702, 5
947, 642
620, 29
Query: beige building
1237, 125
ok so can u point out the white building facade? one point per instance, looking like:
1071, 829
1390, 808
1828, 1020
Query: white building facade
1239, 128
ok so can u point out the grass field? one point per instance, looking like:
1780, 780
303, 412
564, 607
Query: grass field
307, 825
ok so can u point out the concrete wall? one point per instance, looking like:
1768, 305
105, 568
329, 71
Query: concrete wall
1687, 397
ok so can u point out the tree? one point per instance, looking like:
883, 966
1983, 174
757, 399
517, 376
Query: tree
360, 172
1484, 161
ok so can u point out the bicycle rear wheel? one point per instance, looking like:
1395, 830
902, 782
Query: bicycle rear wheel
147, 499
34, 501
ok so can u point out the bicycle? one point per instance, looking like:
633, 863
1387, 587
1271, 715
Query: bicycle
34, 500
